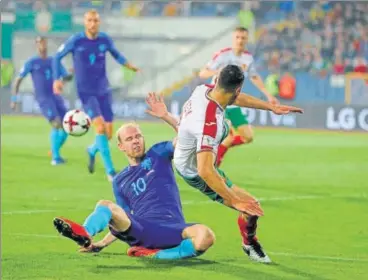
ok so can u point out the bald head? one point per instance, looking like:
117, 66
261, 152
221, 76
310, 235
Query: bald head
130, 140
92, 23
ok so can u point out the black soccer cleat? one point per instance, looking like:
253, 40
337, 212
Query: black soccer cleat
73, 231
255, 252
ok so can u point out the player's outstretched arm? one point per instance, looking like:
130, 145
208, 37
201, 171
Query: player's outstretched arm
57, 67
158, 109
119, 57
100, 245
209, 174
206, 73
258, 82
245, 100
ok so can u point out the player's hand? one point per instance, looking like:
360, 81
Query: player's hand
156, 104
93, 248
284, 109
58, 86
273, 100
250, 207
13, 105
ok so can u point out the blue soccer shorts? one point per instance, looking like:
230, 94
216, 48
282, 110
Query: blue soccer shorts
98, 105
152, 234
53, 108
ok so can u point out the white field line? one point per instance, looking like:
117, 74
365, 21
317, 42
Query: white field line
200, 202
316, 257
284, 254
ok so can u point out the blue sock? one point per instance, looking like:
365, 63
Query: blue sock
103, 146
62, 137
184, 250
98, 220
54, 138
93, 149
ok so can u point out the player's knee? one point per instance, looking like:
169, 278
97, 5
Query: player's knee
100, 129
204, 238
56, 123
247, 135
109, 135
107, 203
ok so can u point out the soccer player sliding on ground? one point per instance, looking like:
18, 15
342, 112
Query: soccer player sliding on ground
51, 105
201, 129
147, 214
89, 57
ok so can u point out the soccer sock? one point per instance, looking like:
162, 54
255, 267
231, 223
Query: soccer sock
184, 250
93, 149
62, 137
103, 146
247, 227
98, 220
238, 140
220, 154
54, 138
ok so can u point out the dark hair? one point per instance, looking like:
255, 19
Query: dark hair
240, 28
230, 78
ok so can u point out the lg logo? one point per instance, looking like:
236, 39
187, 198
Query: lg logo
347, 119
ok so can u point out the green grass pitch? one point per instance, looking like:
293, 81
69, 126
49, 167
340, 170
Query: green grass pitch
313, 187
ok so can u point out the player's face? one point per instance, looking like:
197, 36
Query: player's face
132, 142
92, 23
240, 39
41, 45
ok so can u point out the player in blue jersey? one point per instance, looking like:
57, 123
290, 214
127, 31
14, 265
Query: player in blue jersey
89, 56
148, 214
51, 105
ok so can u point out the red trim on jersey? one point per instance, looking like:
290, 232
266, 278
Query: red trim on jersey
220, 52
210, 124
246, 52
211, 87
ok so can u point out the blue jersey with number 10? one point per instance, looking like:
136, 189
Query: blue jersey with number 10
89, 57
149, 190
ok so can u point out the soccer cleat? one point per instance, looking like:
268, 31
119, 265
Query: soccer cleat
140, 252
255, 252
58, 161
72, 230
91, 162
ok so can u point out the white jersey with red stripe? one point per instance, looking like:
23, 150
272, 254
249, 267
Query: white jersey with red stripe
227, 56
201, 128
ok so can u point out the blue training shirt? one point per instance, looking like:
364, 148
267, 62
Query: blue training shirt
42, 75
89, 57
149, 190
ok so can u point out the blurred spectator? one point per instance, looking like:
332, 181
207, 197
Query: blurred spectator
360, 65
133, 9
339, 66
172, 9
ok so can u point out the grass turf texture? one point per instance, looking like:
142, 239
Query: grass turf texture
313, 186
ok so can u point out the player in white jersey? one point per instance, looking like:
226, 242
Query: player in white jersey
201, 129
236, 55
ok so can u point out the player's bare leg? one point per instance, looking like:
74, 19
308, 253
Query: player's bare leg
248, 227
242, 135
102, 129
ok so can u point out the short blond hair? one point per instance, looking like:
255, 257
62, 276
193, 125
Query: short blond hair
123, 127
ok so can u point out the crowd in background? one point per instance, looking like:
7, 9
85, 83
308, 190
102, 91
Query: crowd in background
322, 37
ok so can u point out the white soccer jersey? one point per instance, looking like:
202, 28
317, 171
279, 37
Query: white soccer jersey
201, 128
227, 56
